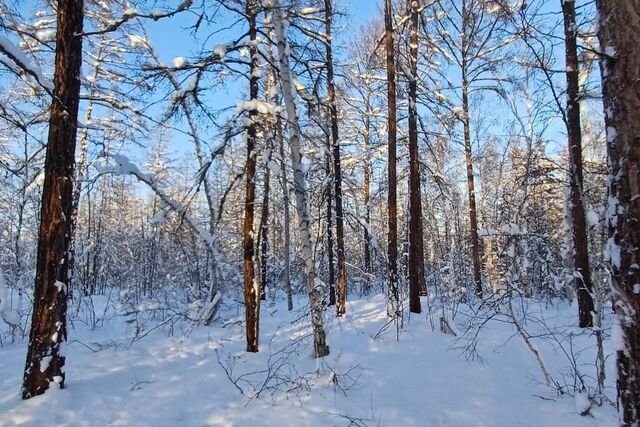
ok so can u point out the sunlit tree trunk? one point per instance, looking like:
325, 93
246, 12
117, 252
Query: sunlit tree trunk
580, 255
330, 255
251, 291
337, 170
321, 348
473, 212
367, 195
392, 249
45, 361
619, 34
287, 217
264, 234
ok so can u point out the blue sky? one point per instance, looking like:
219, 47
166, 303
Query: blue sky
171, 38
171, 43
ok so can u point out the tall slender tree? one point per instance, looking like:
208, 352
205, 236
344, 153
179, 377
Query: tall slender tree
366, 193
286, 252
392, 239
579, 236
264, 229
330, 253
473, 35
314, 286
416, 253
471, 188
45, 361
337, 170
251, 287
619, 34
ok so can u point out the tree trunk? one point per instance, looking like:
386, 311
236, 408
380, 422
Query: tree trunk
337, 171
330, 256
582, 274
416, 255
473, 214
279, 143
287, 217
251, 287
45, 360
264, 233
321, 348
367, 203
619, 34
392, 237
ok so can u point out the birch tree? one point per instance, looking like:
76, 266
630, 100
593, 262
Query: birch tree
314, 285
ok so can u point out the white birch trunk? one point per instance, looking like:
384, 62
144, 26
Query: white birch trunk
299, 181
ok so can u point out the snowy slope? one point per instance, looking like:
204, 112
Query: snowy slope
171, 381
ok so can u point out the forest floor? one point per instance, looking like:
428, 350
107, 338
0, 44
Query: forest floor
205, 378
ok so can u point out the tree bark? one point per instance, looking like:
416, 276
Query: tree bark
251, 286
473, 213
287, 217
45, 360
279, 143
337, 170
367, 195
392, 237
321, 348
330, 255
264, 234
619, 34
416, 254
582, 274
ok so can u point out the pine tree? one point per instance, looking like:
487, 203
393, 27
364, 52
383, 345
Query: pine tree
251, 288
45, 359
578, 221
416, 252
619, 35
337, 172
392, 239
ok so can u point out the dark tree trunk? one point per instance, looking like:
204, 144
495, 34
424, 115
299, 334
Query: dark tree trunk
264, 234
578, 221
392, 249
337, 170
367, 204
416, 255
473, 213
251, 291
330, 255
619, 34
45, 362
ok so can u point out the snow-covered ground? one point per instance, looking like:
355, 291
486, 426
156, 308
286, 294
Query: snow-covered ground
420, 380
